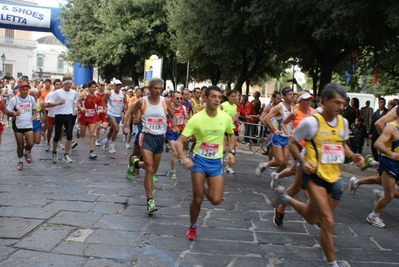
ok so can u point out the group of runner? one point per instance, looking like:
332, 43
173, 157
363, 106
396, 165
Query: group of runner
316, 139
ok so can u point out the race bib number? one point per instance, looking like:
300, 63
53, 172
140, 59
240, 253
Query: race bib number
100, 109
208, 150
154, 123
90, 112
180, 119
24, 107
332, 154
117, 102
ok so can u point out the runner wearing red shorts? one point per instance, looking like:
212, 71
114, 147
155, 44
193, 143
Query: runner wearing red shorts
87, 102
101, 111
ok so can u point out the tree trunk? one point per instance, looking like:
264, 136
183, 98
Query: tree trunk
326, 68
247, 85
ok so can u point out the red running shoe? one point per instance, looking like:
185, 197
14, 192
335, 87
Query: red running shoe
20, 166
191, 233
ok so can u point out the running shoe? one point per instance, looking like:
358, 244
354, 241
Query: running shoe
260, 168
367, 161
151, 208
55, 158
172, 175
61, 146
278, 218
180, 161
112, 148
127, 145
20, 166
67, 159
78, 133
28, 158
43, 135
229, 170
124, 138
274, 183
129, 173
377, 194
8, 124
154, 179
353, 185
105, 144
98, 142
191, 233
133, 163
74, 144
375, 221
92, 155
47, 147
279, 197
167, 148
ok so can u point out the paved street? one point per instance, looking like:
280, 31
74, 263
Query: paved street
88, 214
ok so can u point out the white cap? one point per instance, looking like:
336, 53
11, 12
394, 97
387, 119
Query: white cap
304, 96
116, 81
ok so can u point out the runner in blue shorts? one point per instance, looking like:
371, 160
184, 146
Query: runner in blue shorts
208, 126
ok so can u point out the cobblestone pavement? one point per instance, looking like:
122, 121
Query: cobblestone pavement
88, 214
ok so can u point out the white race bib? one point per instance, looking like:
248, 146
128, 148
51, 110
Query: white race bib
208, 150
332, 154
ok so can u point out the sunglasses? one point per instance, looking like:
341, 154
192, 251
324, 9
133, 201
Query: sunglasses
101, 84
179, 98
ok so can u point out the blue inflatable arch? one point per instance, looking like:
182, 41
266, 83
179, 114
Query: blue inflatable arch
40, 19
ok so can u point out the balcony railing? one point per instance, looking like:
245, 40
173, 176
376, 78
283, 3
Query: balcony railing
17, 42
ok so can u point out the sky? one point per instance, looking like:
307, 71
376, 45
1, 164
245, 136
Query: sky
47, 3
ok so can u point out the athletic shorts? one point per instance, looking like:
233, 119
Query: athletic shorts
102, 117
171, 135
14, 127
83, 120
117, 119
1, 127
279, 141
209, 167
335, 190
37, 126
153, 143
50, 120
390, 166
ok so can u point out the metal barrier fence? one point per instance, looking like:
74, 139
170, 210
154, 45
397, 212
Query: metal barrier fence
252, 133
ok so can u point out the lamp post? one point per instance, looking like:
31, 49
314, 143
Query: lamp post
3, 57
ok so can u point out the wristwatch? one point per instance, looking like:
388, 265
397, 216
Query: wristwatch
232, 152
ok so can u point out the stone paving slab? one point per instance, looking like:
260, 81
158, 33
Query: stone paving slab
88, 214
17, 228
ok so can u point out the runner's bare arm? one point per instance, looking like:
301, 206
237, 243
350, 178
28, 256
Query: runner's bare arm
274, 112
133, 109
287, 120
171, 115
385, 136
381, 122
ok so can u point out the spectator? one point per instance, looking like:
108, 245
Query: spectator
367, 114
248, 115
348, 112
355, 106
359, 132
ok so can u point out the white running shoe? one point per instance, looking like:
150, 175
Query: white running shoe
274, 183
105, 144
229, 170
67, 159
260, 168
61, 146
353, 185
112, 148
127, 145
375, 221
47, 147
98, 143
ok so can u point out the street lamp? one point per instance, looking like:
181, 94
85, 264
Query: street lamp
3, 57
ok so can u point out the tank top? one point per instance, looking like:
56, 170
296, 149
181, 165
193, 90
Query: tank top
277, 122
115, 104
196, 106
325, 150
89, 103
153, 117
180, 114
43, 93
299, 116
38, 115
392, 145
100, 97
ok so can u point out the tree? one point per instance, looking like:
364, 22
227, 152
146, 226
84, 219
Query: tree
216, 36
115, 33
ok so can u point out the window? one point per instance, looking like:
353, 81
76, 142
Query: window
60, 64
8, 69
39, 62
9, 34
